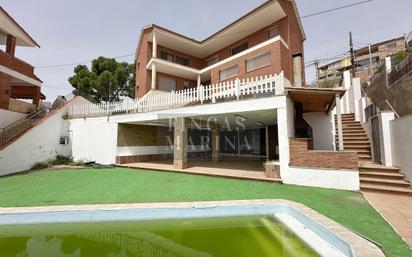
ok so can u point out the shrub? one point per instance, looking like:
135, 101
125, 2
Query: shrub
40, 166
61, 159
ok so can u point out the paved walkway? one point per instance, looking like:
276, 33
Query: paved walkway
396, 209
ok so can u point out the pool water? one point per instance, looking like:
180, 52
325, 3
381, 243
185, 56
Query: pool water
256, 236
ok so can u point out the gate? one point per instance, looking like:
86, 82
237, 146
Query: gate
376, 139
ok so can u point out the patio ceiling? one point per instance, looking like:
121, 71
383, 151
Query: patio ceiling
315, 99
253, 119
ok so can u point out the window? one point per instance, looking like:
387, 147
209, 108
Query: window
239, 48
273, 32
166, 56
228, 73
258, 62
390, 45
212, 60
186, 85
167, 84
182, 60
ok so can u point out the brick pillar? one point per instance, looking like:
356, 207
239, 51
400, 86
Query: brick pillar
36, 96
11, 45
180, 144
215, 142
5, 91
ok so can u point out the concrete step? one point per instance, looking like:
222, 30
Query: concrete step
360, 142
382, 168
386, 189
351, 129
347, 115
366, 154
349, 123
365, 157
363, 139
354, 133
385, 182
356, 146
367, 150
381, 175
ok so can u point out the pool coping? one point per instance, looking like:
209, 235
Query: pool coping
361, 247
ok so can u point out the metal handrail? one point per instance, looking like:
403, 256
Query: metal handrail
19, 127
390, 106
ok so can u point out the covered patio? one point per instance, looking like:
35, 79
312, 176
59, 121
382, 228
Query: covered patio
232, 145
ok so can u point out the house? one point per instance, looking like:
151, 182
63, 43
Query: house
367, 60
17, 79
223, 106
334, 69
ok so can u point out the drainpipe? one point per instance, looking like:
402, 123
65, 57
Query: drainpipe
339, 121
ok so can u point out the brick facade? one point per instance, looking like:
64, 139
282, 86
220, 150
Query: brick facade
303, 155
281, 60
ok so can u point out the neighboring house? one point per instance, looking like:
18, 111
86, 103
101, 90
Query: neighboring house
335, 69
367, 60
252, 72
17, 79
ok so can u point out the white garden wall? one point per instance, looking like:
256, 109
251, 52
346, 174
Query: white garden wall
39, 144
322, 128
326, 178
8, 117
401, 137
94, 140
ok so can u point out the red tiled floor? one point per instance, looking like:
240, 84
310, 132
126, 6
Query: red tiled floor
242, 169
397, 211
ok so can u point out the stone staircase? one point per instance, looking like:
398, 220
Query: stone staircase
18, 128
354, 137
373, 177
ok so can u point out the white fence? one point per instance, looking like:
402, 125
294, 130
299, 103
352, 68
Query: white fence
232, 90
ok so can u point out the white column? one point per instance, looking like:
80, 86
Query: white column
339, 121
154, 55
345, 99
153, 76
357, 95
285, 118
199, 81
154, 45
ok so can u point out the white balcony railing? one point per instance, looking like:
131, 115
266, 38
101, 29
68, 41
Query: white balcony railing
227, 91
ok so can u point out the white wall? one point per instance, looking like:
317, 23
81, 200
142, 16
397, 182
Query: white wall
322, 128
8, 117
39, 144
385, 137
401, 136
326, 178
94, 140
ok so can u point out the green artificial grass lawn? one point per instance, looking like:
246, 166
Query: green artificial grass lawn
104, 186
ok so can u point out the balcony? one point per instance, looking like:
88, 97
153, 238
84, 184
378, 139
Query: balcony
175, 69
236, 90
20, 71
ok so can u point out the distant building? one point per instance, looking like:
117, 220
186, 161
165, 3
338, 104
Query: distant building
334, 69
378, 53
366, 63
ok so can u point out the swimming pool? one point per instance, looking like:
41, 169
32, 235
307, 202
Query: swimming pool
223, 230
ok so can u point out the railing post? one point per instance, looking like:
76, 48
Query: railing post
212, 89
201, 92
237, 88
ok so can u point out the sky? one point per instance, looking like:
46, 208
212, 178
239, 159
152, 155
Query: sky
77, 31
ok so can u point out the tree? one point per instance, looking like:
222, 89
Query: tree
105, 74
